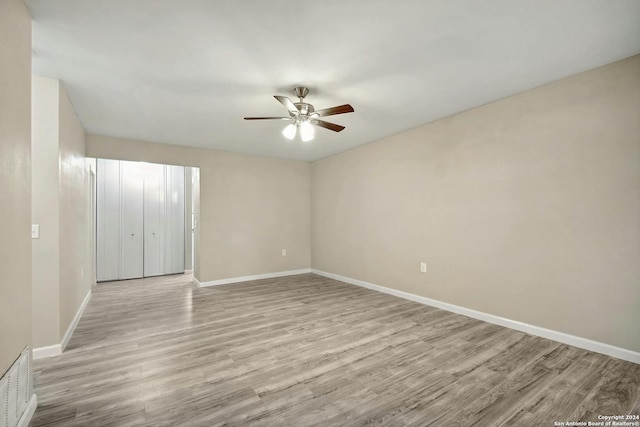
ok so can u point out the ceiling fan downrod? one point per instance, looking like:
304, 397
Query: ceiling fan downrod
301, 92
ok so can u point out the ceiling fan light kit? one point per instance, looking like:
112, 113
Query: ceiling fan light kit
304, 116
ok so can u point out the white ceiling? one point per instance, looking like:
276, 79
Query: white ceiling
187, 72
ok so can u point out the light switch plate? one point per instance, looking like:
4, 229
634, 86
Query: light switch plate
35, 231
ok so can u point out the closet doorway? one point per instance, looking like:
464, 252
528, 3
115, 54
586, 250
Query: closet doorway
140, 219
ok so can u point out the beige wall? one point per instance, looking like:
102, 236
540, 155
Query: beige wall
250, 207
15, 180
527, 208
45, 211
61, 263
75, 237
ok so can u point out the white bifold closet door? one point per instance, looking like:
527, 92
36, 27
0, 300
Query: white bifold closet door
108, 220
131, 221
140, 219
154, 219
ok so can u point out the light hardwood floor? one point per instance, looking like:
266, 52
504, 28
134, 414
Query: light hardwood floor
307, 350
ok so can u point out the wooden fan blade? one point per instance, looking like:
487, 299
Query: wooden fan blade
331, 126
267, 118
341, 109
287, 103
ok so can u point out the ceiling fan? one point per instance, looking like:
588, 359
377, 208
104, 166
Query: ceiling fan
303, 116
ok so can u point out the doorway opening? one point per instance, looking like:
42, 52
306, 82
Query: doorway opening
143, 219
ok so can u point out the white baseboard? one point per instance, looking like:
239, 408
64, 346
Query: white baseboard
584, 343
57, 349
25, 419
254, 277
48, 351
188, 272
74, 322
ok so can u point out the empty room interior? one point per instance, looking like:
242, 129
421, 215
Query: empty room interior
264, 213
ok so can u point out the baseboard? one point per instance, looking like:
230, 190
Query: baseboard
48, 351
25, 419
584, 343
188, 272
57, 349
254, 277
74, 322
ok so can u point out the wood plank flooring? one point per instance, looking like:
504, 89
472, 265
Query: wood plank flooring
305, 351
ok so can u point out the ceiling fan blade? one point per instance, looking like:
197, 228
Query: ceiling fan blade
331, 126
267, 118
341, 109
287, 103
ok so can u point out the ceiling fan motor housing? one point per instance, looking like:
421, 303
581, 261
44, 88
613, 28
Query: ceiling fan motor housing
304, 108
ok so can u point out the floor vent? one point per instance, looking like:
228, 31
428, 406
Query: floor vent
15, 391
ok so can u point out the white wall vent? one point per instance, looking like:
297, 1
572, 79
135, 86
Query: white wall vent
16, 403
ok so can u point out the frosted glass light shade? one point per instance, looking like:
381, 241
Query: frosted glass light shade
306, 131
289, 132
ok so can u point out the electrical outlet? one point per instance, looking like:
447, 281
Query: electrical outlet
284, 252
35, 231
423, 267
